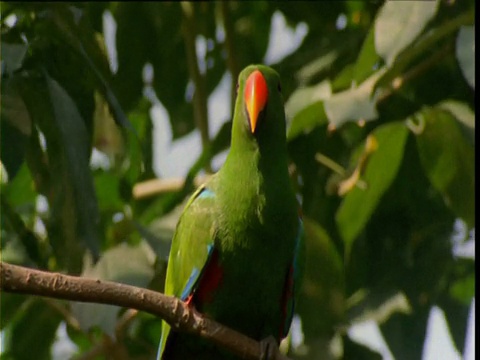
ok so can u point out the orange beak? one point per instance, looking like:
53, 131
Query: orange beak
256, 95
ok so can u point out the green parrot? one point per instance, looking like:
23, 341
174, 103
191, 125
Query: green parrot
235, 255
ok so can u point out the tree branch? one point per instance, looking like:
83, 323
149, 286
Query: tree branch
181, 317
155, 187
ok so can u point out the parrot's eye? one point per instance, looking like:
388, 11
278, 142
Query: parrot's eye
279, 87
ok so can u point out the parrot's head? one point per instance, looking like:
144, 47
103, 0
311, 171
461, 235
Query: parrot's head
260, 101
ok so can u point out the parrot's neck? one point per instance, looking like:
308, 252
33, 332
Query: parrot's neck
257, 158
256, 180
266, 151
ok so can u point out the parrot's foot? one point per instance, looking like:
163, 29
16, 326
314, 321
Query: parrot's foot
269, 348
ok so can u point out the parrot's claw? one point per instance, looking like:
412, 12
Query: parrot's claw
269, 348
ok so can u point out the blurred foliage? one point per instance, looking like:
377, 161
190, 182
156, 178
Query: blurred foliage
380, 103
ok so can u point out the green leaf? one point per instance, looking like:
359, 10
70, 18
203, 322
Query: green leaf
316, 66
19, 191
96, 315
461, 111
367, 59
321, 304
16, 126
448, 160
405, 334
13, 250
353, 104
423, 47
95, 11
12, 148
107, 188
303, 97
160, 231
83, 341
132, 25
464, 115
354, 350
399, 23
12, 56
357, 207
75, 142
68, 185
31, 244
76, 32
457, 317
377, 304
132, 265
10, 304
14, 109
307, 119
345, 79
465, 51
159, 235
22, 335
305, 108
161, 24
139, 146
463, 290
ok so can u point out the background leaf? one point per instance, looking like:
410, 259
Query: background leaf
12, 56
359, 204
448, 161
305, 108
21, 334
124, 264
465, 51
398, 24
74, 137
321, 305
353, 105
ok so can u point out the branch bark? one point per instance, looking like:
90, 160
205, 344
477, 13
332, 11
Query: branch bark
19, 279
155, 187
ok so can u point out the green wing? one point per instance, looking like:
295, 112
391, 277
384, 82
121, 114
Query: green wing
192, 245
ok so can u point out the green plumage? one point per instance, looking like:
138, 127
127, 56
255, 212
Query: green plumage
247, 215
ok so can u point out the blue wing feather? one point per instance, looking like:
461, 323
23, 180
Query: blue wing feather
195, 276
